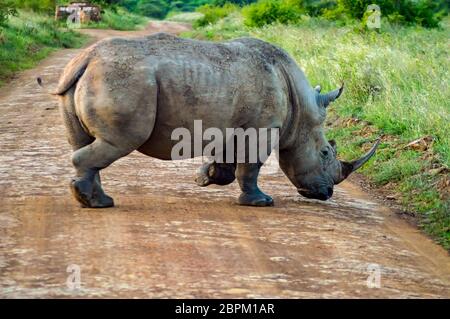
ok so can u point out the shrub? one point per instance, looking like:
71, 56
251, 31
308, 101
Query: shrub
316, 8
214, 13
427, 13
269, 11
158, 8
153, 8
6, 10
47, 6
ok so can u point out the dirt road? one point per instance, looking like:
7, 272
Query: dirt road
169, 238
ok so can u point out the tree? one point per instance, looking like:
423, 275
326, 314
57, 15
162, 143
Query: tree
152, 8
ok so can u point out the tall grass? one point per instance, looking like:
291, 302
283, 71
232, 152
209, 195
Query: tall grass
396, 84
396, 80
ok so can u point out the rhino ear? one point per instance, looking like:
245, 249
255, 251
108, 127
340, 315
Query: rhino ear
326, 99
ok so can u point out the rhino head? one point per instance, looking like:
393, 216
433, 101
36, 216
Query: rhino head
311, 163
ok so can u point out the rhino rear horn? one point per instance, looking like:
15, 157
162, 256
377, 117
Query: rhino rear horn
326, 99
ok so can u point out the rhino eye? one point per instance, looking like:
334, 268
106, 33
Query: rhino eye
325, 153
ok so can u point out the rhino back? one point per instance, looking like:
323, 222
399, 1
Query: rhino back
231, 84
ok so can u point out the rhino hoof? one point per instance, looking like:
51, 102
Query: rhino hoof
83, 192
202, 180
205, 177
103, 201
258, 199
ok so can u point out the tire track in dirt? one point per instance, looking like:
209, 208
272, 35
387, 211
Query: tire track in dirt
169, 238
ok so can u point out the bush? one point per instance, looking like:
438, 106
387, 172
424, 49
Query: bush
315, 8
159, 8
269, 11
427, 13
47, 6
153, 8
214, 13
6, 10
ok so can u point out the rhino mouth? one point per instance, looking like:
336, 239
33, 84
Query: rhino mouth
323, 194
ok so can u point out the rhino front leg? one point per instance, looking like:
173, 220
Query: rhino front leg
216, 173
247, 176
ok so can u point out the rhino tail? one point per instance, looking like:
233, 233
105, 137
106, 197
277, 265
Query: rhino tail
42, 85
72, 72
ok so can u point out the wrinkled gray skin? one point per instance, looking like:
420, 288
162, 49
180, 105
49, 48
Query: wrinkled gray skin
122, 95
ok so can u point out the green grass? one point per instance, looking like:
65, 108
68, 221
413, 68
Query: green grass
30, 37
227, 28
396, 84
120, 19
185, 17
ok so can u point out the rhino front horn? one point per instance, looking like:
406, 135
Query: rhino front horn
350, 167
326, 99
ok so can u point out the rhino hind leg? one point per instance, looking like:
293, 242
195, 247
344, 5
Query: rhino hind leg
216, 173
89, 192
88, 161
247, 176
100, 199
78, 139
120, 124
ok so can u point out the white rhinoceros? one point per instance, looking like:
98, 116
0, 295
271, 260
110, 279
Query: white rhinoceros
122, 95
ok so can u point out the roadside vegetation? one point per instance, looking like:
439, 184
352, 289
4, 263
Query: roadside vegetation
396, 81
160, 9
28, 31
27, 37
118, 18
184, 17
